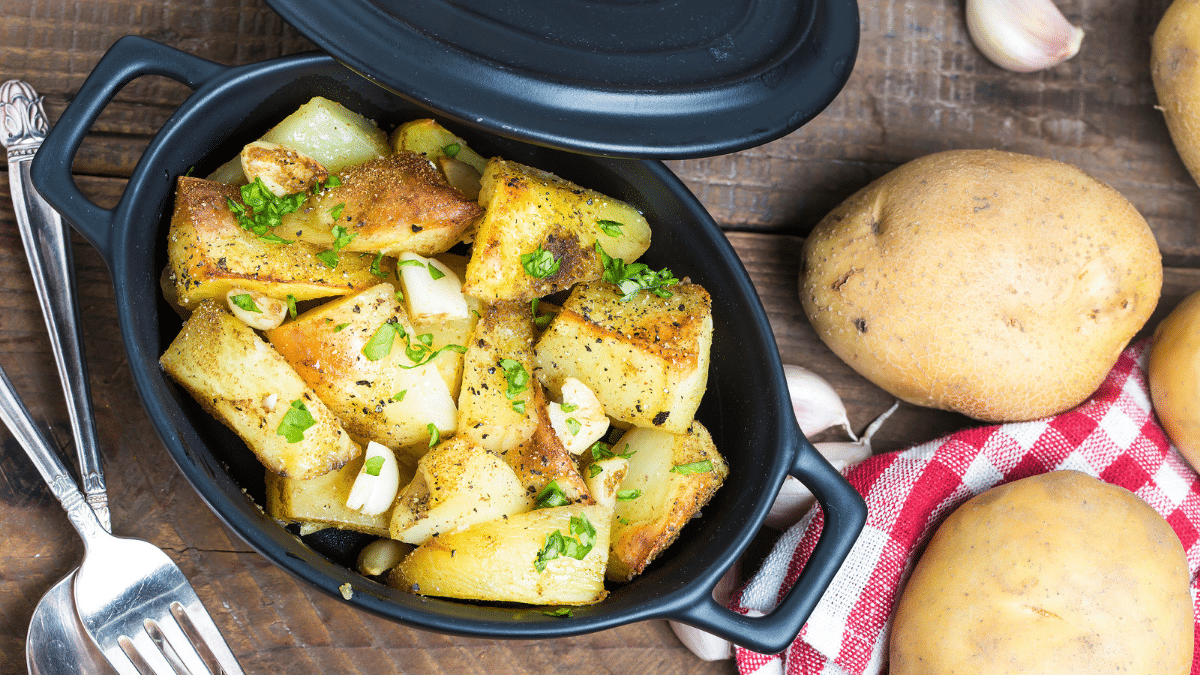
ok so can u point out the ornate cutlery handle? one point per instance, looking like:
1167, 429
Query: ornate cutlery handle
48, 247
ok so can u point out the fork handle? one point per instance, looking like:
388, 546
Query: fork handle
47, 247
16, 417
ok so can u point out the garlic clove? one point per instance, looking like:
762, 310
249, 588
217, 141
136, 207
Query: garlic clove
794, 499
1022, 35
377, 483
707, 646
814, 401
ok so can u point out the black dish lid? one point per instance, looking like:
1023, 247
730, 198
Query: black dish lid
627, 78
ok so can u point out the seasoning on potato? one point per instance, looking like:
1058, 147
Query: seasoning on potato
1173, 372
1057, 573
998, 285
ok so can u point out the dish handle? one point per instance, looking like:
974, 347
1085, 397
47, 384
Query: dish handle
129, 58
845, 514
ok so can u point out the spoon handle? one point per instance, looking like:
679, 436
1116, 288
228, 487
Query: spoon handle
48, 248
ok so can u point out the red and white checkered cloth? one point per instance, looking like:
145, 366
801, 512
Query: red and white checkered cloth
1113, 436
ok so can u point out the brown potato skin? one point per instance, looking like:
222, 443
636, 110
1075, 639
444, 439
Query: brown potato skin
1173, 372
1053, 574
1175, 69
998, 285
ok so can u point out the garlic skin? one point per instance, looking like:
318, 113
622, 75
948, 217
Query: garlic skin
1022, 35
794, 500
707, 646
371, 494
816, 405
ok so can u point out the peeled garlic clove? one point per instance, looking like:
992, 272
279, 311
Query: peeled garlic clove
816, 404
256, 310
381, 555
377, 483
1022, 35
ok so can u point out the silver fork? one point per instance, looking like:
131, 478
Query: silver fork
133, 600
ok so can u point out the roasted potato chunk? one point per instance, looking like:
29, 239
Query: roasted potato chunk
339, 349
496, 403
395, 204
538, 215
507, 560
669, 478
324, 130
457, 484
645, 358
208, 254
322, 500
239, 379
427, 137
282, 169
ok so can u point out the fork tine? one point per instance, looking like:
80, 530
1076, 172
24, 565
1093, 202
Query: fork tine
148, 652
181, 644
193, 616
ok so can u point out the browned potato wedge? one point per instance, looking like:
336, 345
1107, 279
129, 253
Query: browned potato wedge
385, 400
395, 204
322, 500
672, 476
208, 254
498, 560
495, 405
457, 484
535, 213
427, 137
544, 459
646, 359
239, 379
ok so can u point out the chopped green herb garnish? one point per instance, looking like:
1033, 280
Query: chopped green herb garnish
610, 227
635, 277
560, 611
519, 407
540, 321
623, 521
434, 436
377, 266
399, 296
294, 422
331, 182
517, 376
452, 150
373, 465
702, 466
328, 258
336, 212
569, 407
628, 495
435, 273
340, 327
573, 426
260, 211
539, 264
580, 542
550, 496
341, 237
595, 470
410, 263
291, 301
400, 395
602, 450
380, 344
246, 302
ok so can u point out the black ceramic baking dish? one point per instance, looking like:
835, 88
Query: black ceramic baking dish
746, 407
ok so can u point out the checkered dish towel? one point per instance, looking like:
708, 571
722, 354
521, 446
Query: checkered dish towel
1112, 436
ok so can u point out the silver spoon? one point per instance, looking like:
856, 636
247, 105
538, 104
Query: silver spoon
56, 643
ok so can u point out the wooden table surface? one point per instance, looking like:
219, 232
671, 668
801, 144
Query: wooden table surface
919, 86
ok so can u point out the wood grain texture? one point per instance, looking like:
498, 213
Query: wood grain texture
919, 86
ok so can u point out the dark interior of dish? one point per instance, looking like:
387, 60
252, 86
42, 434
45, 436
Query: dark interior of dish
744, 407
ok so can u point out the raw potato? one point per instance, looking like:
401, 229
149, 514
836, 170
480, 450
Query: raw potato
1173, 371
1175, 68
1054, 574
994, 284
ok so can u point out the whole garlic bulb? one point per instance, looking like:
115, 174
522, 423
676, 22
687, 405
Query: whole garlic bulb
1022, 35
